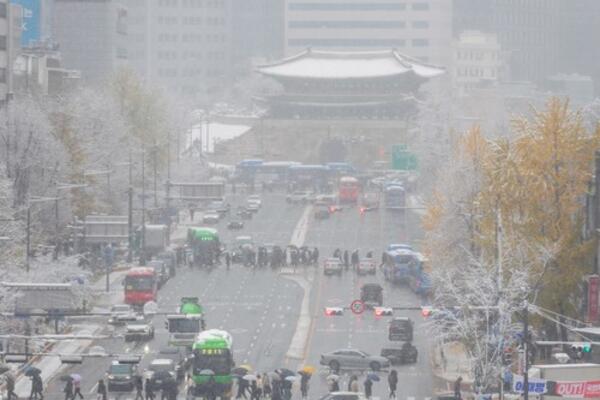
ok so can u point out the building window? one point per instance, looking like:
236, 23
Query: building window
420, 24
420, 42
346, 6
346, 24
3, 10
3, 42
346, 42
420, 6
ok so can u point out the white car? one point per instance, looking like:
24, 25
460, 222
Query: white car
366, 266
121, 314
139, 332
332, 266
254, 199
211, 217
300, 197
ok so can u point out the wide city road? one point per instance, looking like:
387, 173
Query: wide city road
260, 308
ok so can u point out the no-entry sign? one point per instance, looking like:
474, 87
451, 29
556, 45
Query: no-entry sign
357, 307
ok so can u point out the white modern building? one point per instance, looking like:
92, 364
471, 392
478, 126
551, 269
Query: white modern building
184, 46
10, 38
417, 28
92, 36
478, 61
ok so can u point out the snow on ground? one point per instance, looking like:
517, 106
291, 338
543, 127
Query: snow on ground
216, 132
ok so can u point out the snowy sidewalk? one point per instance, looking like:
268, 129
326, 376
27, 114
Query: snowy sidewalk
51, 365
448, 362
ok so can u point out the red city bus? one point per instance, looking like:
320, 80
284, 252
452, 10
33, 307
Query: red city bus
141, 286
349, 189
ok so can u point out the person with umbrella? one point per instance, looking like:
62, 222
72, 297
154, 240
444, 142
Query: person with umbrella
304, 379
139, 388
77, 386
266, 385
276, 389
68, 390
148, 389
101, 391
242, 389
353, 384
37, 387
393, 383
10, 386
368, 387
211, 388
255, 390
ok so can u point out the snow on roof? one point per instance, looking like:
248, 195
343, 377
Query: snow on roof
349, 65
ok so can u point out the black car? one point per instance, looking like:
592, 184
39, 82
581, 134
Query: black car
160, 372
182, 362
401, 329
371, 294
121, 377
235, 225
322, 214
407, 354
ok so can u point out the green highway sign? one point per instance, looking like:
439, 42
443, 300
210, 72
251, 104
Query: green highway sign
402, 159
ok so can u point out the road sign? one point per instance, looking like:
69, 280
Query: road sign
402, 159
357, 307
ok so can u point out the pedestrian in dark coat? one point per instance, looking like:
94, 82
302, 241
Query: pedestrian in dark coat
276, 390
139, 388
10, 387
457, 393
227, 259
101, 391
68, 390
304, 385
346, 259
393, 383
148, 389
368, 388
242, 389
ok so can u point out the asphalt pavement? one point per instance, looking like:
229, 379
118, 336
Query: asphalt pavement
260, 307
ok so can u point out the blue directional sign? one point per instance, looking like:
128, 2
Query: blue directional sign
31, 25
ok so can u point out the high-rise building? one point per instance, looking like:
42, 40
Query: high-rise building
418, 28
91, 35
478, 61
183, 46
10, 45
526, 29
257, 29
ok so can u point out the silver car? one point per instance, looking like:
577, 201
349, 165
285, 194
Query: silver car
353, 359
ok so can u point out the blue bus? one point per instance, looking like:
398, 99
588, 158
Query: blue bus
245, 170
397, 265
309, 176
341, 168
274, 171
395, 197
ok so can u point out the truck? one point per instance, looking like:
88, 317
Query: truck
156, 238
213, 360
187, 324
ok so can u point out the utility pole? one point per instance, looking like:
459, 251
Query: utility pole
526, 351
154, 153
28, 238
143, 241
130, 223
596, 212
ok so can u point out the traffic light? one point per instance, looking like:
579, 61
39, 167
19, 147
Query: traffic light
581, 350
334, 311
383, 311
426, 311
507, 356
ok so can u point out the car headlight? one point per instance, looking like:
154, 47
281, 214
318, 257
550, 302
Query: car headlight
111, 377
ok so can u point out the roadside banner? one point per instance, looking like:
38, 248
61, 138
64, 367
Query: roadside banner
536, 386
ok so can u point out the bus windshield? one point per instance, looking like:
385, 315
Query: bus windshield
139, 283
219, 362
184, 325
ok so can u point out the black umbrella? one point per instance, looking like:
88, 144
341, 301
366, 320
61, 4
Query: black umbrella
32, 371
66, 378
284, 372
240, 371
